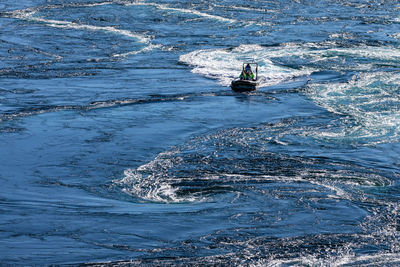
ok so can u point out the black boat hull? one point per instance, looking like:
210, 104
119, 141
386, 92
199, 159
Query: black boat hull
244, 85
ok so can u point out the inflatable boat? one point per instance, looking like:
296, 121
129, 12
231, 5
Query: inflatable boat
247, 83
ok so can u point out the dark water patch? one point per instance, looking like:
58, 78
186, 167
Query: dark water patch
28, 72
22, 91
35, 111
11, 129
151, 99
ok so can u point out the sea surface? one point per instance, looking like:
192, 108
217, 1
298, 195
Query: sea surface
121, 142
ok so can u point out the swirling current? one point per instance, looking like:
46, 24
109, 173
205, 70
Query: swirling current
123, 144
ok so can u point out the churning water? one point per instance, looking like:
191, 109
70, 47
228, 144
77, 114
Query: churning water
122, 143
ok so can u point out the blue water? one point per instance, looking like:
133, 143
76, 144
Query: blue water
122, 142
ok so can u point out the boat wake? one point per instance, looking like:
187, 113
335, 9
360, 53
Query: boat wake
289, 61
225, 64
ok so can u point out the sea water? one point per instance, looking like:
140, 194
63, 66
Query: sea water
122, 143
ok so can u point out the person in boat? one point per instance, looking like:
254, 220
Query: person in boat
247, 73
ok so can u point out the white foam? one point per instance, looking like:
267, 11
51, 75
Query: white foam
135, 52
183, 10
226, 64
150, 181
245, 8
370, 260
371, 52
371, 99
345, 258
325, 52
150, 188
92, 4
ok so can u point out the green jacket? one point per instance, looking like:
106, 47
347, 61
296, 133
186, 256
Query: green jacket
245, 76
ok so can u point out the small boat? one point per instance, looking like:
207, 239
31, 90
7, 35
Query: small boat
247, 85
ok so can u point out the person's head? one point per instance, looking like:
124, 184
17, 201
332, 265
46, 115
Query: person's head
248, 67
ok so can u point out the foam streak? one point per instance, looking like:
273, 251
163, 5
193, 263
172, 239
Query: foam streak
187, 11
28, 15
